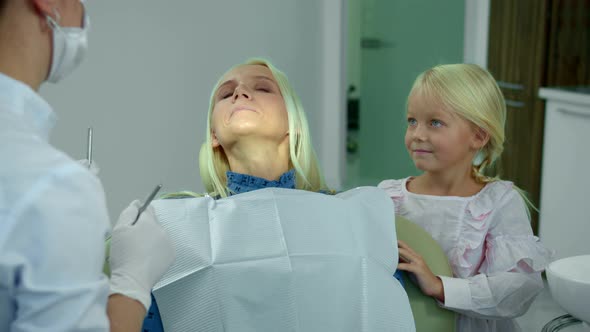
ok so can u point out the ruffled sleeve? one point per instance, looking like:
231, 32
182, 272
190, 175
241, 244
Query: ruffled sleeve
510, 243
498, 260
515, 253
508, 276
395, 190
497, 222
480, 213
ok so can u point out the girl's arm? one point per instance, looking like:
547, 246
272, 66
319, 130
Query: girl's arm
505, 295
509, 277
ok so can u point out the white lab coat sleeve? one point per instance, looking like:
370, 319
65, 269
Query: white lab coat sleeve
57, 252
509, 277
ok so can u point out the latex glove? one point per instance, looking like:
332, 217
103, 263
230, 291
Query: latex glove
140, 254
94, 169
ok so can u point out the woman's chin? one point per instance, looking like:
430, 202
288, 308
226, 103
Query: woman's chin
243, 127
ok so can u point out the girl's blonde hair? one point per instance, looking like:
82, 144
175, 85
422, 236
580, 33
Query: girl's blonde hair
213, 162
472, 93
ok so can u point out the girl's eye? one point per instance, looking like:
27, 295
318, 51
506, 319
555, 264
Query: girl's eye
436, 123
412, 122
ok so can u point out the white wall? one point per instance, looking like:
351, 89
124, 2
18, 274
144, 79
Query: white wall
145, 84
353, 49
477, 22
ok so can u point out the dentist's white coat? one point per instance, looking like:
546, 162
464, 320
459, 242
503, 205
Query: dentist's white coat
53, 220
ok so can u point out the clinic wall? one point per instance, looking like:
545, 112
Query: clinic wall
145, 84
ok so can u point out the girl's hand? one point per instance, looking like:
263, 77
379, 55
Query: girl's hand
412, 262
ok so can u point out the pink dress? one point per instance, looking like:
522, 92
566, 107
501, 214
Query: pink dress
495, 258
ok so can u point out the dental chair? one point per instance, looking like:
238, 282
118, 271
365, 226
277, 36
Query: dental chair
106, 268
427, 314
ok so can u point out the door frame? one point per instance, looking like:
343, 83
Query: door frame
332, 137
477, 25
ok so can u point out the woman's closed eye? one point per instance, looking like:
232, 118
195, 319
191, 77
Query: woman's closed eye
225, 93
263, 88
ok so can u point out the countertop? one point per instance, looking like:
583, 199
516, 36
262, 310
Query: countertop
576, 94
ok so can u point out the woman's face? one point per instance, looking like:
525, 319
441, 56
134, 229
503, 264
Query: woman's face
248, 104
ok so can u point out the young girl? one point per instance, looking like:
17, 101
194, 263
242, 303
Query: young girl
456, 115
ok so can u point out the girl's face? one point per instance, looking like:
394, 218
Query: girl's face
248, 103
438, 139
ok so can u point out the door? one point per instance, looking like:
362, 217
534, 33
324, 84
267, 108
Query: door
399, 40
516, 58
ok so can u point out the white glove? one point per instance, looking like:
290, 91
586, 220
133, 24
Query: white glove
140, 254
94, 169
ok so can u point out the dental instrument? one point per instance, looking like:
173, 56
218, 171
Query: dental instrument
89, 148
147, 202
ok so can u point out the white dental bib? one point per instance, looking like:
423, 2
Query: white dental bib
283, 260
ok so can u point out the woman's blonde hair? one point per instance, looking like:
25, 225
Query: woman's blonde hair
472, 93
213, 162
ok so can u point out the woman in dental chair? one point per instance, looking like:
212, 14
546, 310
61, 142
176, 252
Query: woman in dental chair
257, 138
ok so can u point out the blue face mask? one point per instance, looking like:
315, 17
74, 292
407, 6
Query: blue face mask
69, 47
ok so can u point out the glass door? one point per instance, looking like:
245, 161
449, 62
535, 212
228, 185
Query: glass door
398, 39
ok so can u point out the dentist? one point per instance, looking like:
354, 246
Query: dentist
53, 216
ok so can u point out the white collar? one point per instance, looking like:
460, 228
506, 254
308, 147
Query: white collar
17, 97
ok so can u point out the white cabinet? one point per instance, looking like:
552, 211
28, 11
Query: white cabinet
564, 223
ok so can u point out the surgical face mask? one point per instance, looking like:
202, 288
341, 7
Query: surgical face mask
69, 47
